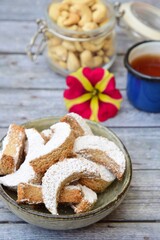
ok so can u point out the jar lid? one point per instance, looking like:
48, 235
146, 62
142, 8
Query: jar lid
142, 18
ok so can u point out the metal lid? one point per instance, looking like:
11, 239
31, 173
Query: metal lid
142, 19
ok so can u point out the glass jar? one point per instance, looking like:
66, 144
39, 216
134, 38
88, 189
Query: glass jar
67, 50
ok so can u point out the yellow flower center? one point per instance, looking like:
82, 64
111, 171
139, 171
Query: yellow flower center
95, 92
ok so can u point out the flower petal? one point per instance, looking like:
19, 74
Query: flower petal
106, 111
94, 107
75, 90
83, 109
107, 99
102, 85
94, 76
111, 90
83, 80
81, 99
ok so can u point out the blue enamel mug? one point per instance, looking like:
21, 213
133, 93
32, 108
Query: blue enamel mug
143, 91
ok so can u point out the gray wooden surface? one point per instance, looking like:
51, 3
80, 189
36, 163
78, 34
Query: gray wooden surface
29, 91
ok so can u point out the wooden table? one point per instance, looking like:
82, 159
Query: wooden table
29, 91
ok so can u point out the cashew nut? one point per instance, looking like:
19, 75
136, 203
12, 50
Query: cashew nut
73, 18
106, 59
86, 59
72, 62
100, 12
97, 61
89, 26
54, 41
100, 53
55, 9
92, 47
65, 14
61, 52
107, 44
69, 46
60, 21
78, 46
84, 12
62, 64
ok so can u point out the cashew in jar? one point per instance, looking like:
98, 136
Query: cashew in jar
89, 26
100, 12
61, 52
84, 12
91, 47
54, 41
86, 58
78, 46
73, 18
73, 62
108, 44
69, 46
100, 53
106, 59
97, 61
55, 9
62, 64
60, 21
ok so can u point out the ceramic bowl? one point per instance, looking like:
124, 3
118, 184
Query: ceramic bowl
107, 201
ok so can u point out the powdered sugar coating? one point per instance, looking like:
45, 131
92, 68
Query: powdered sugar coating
48, 133
88, 195
103, 144
25, 173
81, 121
59, 173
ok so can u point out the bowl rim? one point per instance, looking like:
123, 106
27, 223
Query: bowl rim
3, 193
132, 70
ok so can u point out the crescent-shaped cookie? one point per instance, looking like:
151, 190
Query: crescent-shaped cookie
62, 173
102, 151
58, 147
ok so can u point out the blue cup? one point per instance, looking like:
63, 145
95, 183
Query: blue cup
143, 91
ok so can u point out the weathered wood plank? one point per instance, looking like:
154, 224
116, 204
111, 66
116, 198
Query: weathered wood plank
141, 143
30, 10
17, 71
143, 197
99, 231
23, 105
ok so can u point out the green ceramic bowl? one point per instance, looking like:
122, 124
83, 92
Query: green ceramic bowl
107, 201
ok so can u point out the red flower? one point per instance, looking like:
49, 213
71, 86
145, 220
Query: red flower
92, 94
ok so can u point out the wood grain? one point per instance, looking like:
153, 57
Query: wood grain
27, 104
17, 71
99, 231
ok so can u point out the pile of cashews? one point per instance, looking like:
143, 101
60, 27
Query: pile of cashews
79, 15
